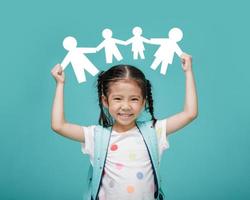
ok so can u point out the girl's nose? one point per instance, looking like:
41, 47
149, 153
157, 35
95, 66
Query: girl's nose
125, 106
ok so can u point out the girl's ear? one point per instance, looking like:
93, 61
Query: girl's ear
105, 101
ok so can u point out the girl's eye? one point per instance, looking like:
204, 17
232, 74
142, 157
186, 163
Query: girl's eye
117, 99
135, 99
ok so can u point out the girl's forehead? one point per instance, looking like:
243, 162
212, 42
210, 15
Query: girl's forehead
125, 86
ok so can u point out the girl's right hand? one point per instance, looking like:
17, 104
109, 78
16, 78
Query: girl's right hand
58, 73
186, 60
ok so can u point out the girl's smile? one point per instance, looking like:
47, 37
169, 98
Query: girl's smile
125, 117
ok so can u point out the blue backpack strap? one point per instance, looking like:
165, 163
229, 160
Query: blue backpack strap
150, 137
87, 195
101, 142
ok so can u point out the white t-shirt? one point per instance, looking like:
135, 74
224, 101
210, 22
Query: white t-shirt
128, 172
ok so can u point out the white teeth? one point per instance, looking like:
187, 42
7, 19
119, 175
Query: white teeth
125, 115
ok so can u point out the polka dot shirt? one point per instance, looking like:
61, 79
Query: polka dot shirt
128, 172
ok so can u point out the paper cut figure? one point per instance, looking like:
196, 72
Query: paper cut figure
166, 51
109, 44
78, 60
137, 43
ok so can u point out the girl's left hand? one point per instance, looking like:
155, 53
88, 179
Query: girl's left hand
186, 62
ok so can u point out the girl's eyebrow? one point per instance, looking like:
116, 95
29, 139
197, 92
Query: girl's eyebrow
120, 95
138, 96
115, 95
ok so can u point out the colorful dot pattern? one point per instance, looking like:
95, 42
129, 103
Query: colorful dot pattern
139, 182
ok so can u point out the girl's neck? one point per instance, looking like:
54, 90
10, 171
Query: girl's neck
120, 128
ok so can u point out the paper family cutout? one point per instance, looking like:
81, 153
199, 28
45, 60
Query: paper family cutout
164, 55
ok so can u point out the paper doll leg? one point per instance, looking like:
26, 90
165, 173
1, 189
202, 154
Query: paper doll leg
109, 58
142, 54
91, 69
156, 63
164, 67
135, 55
80, 74
118, 55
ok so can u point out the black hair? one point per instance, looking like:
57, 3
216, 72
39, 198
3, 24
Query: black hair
121, 72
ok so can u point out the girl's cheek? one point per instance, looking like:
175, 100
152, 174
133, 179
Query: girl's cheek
116, 105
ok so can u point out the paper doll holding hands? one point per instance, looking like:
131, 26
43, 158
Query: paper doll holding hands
109, 44
76, 56
137, 43
168, 46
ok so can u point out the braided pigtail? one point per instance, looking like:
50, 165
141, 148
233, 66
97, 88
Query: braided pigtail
102, 118
150, 101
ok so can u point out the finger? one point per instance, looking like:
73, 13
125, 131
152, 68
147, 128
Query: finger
183, 61
58, 65
59, 70
54, 68
53, 71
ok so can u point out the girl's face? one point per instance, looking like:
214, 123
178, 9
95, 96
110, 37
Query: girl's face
124, 102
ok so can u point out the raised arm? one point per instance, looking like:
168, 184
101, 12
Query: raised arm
58, 122
190, 110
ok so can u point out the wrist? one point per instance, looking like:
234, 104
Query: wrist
189, 71
60, 84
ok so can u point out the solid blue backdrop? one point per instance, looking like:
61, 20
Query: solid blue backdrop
208, 159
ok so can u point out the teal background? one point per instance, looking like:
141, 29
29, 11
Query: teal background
208, 159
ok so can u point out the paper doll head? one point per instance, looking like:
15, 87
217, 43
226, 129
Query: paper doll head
69, 43
175, 34
137, 30
107, 33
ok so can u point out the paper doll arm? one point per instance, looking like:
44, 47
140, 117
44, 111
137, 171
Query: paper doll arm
190, 110
146, 40
156, 40
178, 50
100, 46
65, 61
58, 122
87, 50
129, 41
120, 42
